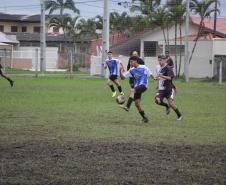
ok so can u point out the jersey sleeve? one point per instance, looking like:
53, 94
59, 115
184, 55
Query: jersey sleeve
127, 74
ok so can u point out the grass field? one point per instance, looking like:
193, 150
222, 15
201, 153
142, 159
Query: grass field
56, 130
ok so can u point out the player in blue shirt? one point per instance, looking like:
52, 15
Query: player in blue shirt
112, 65
140, 74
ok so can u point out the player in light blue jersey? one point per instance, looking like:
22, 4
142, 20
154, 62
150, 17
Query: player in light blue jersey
140, 74
112, 65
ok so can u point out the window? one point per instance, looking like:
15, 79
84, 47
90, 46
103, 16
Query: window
24, 29
150, 48
37, 29
55, 30
180, 48
14, 29
1, 28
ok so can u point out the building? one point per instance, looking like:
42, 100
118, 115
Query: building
151, 43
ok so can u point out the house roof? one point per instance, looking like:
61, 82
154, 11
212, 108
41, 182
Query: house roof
21, 18
7, 39
209, 23
50, 37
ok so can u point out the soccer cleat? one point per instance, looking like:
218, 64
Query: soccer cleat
180, 118
124, 107
11, 83
113, 94
145, 120
122, 93
167, 110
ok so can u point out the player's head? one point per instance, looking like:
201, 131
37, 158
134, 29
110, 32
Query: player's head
110, 54
162, 60
134, 61
134, 53
167, 53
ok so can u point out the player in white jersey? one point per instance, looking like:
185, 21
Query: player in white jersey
140, 74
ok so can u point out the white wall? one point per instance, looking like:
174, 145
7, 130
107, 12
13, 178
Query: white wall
29, 53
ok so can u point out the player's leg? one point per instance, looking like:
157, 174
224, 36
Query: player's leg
116, 82
7, 78
174, 107
137, 99
159, 101
110, 84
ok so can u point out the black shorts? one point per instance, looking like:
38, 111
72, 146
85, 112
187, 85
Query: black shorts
131, 82
1, 71
113, 77
138, 91
161, 94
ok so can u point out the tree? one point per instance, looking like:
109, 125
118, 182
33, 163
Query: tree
204, 9
177, 10
146, 7
160, 18
61, 5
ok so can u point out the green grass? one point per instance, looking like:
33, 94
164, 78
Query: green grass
82, 109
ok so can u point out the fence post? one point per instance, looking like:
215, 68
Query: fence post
220, 72
36, 62
71, 65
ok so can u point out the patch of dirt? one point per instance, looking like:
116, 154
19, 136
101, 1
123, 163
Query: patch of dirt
51, 163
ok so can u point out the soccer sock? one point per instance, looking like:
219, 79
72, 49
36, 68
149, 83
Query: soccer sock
120, 89
142, 114
129, 102
178, 113
164, 104
112, 88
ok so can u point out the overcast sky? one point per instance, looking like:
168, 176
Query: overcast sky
88, 8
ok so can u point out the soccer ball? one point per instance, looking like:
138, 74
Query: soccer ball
120, 99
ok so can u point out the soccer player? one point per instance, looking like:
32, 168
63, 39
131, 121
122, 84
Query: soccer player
165, 87
112, 65
140, 74
131, 81
170, 64
169, 60
4, 76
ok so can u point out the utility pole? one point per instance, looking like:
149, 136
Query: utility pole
43, 39
215, 20
186, 61
105, 34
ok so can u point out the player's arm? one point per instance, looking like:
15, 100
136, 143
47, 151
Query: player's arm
170, 75
104, 64
149, 73
124, 74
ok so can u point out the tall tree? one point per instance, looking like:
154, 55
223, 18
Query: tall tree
61, 5
177, 9
204, 9
160, 18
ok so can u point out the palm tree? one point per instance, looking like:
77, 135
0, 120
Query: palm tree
146, 7
160, 18
61, 5
177, 9
204, 9
63, 22
120, 23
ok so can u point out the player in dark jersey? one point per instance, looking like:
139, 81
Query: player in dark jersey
170, 64
112, 64
131, 80
4, 76
140, 74
165, 87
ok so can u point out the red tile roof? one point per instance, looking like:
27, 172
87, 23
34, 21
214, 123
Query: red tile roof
209, 23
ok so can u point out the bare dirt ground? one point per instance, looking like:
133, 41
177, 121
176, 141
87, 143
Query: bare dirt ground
54, 163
